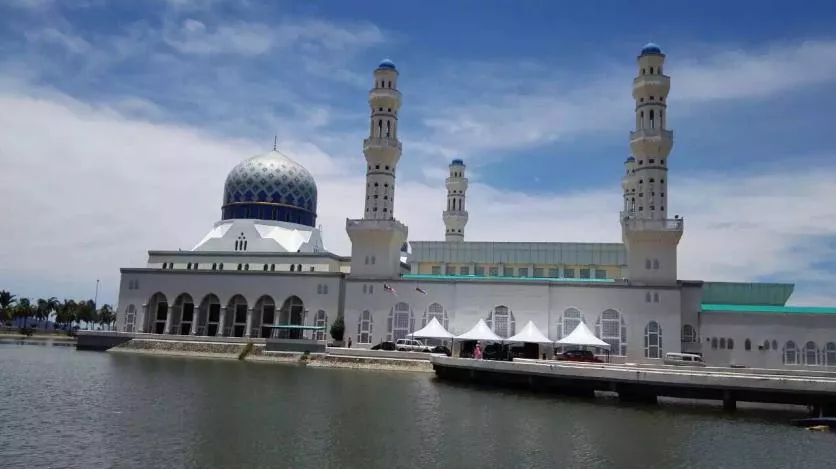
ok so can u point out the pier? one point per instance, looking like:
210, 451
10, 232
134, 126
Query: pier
645, 383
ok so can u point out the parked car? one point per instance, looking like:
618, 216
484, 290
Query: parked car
441, 349
388, 345
410, 345
579, 356
683, 359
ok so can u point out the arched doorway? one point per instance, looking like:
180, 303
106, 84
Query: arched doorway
208, 316
264, 314
292, 314
157, 313
611, 328
236, 317
182, 315
501, 321
653, 340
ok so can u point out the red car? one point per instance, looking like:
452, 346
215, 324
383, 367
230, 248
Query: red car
579, 356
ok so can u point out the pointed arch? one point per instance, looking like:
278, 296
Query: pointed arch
321, 320
182, 315
830, 354
568, 321
236, 316
157, 313
264, 316
209, 315
689, 333
811, 354
612, 329
292, 313
437, 311
653, 340
130, 318
501, 320
790, 353
400, 323
365, 327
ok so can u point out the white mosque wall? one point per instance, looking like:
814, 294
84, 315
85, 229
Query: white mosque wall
760, 328
252, 261
318, 291
466, 302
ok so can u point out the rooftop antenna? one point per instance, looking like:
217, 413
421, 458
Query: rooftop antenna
275, 143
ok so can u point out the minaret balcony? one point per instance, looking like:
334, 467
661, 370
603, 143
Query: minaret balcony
367, 224
651, 134
389, 93
648, 224
377, 142
455, 214
657, 85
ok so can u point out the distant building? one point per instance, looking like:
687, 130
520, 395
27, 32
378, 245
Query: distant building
264, 264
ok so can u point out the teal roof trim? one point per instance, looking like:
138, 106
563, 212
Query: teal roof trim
459, 278
746, 293
769, 309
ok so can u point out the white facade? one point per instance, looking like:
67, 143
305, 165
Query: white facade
269, 267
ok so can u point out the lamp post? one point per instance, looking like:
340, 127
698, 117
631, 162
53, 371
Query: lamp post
96, 299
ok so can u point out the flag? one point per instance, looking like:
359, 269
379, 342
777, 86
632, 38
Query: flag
421, 290
388, 288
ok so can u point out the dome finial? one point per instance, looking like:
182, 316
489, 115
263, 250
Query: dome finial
276, 142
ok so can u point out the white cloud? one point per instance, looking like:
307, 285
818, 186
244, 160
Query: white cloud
72, 43
87, 190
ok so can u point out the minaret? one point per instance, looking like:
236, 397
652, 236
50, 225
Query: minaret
650, 237
455, 216
376, 239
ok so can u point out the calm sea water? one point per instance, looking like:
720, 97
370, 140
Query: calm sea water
60, 408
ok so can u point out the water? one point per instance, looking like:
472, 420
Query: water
60, 408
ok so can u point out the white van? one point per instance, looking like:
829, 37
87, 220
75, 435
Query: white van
683, 359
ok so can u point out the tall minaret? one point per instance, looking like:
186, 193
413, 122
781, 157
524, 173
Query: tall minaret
650, 237
455, 216
377, 238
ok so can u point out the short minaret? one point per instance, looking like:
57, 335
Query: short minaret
650, 236
376, 239
455, 216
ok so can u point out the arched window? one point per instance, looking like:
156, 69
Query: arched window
730, 343
655, 264
766, 344
722, 343
774, 344
747, 344
647, 264
292, 268
653, 340
647, 297
400, 322
714, 343
130, 318
689, 334
364, 327
568, 322
652, 120
830, 354
790, 353
437, 311
811, 354
611, 328
501, 321
321, 320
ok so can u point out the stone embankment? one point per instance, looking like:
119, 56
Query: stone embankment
359, 359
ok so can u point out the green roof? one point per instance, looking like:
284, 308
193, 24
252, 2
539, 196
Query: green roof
460, 278
769, 309
740, 293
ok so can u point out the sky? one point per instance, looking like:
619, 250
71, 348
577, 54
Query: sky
119, 121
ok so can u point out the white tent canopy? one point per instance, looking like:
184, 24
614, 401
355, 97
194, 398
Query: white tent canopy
530, 334
480, 331
583, 336
433, 330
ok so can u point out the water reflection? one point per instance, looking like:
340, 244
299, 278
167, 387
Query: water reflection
118, 410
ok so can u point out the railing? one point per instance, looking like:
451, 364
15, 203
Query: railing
382, 142
637, 224
663, 80
651, 133
373, 223
455, 213
449, 180
385, 91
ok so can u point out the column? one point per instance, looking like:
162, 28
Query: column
221, 322
249, 323
168, 318
195, 318
141, 324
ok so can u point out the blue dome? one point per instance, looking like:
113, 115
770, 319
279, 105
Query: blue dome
387, 64
630, 159
651, 49
270, 187
458, 161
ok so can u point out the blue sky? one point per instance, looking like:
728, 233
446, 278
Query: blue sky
134, 111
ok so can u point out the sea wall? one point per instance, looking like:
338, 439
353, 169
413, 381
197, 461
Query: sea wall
231, 351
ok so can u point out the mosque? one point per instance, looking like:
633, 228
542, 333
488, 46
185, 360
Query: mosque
264, 264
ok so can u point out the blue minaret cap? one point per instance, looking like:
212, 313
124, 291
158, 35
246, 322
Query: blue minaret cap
458, 161
387, 64
651, 49
629, 159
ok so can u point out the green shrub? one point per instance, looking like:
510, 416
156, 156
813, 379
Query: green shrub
338, 329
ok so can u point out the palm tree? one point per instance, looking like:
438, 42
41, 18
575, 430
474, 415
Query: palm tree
45, 308
66, 313
106, 315
86, 311
24, 310
6, 302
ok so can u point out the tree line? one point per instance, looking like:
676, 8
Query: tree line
65, 314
